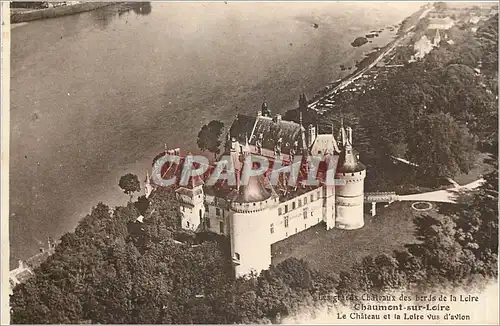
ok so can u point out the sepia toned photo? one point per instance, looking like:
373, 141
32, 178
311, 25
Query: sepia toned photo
239, 162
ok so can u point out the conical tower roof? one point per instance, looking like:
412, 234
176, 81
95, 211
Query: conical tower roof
253, 191
348, 162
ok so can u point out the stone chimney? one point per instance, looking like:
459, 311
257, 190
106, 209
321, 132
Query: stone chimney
311, 135
234, 144
349, 134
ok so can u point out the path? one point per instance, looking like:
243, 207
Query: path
443, 196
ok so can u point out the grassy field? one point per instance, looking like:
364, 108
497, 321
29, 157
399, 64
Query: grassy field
336, 250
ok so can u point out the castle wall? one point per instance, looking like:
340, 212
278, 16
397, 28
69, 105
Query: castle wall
216, 215
349, 201
250, 241
191, 207
287, 220
329, 206
190, 216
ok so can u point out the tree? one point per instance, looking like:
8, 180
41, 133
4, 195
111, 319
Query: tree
476, 217
141, 8
130, 184
142, 205
209, 137
441, 146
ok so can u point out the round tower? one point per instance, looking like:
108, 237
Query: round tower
251, 207
349, 197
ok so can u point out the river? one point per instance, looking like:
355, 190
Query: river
97, 94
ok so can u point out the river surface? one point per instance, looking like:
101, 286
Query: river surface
97, 94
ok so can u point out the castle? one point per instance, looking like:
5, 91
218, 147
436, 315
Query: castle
256, 214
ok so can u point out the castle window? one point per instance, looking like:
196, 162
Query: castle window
286, 209
293, 205
237, 256
208, 222
305, 200
217, 211
272, 228
280, 211
312, 198
305, 226
295, 230
187, 223
305, 213
317, 195
221, 227
300, 202
286, 221
206, 208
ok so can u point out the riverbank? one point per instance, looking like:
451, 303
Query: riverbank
23, 16
405, 29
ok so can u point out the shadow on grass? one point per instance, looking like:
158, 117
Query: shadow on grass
336, 250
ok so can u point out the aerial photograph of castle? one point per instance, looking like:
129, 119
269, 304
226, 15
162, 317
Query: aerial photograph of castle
250, 162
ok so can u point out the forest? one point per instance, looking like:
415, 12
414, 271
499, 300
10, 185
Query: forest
117, 269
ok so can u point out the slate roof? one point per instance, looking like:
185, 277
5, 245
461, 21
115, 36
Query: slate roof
323, 144
257, 189
348, 162
271, 130
170, 170
253, 191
